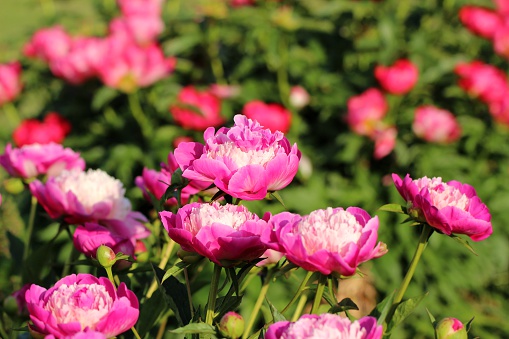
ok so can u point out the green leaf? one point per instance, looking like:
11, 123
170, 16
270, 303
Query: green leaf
464, 243
382, 308
403, 310
150, 310
344, 305
469, 324
278, 198
103, 96
226, 304
394, 208
176, 269
196, 328
276, 316
431, 317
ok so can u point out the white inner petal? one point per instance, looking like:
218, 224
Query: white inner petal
443, 195
207, 214
325, 327
243, 157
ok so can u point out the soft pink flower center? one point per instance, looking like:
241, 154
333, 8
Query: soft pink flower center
208, 214
443, 195
328, 326
83, 303
242, 157
331, 229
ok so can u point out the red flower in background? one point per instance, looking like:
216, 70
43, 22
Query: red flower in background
399, 78
10, 81
54, 128
272, 116
482, 80
481, 21
365, 111
436, 125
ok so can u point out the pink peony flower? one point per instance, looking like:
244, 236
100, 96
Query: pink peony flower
481, 21
436, 125
325, 326
499, 110
450, 207
385, 140
482, 80
241, 3
224, 91
141, 7
225, 234
143, 30
10, 81
34, 160
272, 116
501, 41
330, 240
245, 161
53, 128
80, 335
399, 78
365, 111
48, 43
197, 110
299, 97
82, 196
270, 257
82, 302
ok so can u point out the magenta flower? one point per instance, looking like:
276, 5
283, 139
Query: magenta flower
140, 29
384, 137
481, 21
48, 43
272, 116
245, 161
80, 335
33, 160
366, 111
325, 326
79, 303
482, 80
399, 78
450, 207
226, 234
330, 240
436, 125
10, 81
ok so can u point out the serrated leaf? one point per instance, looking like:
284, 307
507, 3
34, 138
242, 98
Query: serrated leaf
344, 305
276, 316
403, 310
464, 243
394, 208
382, 308
196, 328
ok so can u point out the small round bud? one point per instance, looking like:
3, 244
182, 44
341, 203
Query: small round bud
105, 256
232, 325
450, 328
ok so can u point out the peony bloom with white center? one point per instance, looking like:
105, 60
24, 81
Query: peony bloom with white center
225, 234
246, 161
79, 303
311, 326
82, 196
450, 207
34, 160
329, 240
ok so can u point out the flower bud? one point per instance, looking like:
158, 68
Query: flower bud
231, 325
105, 256
450, 328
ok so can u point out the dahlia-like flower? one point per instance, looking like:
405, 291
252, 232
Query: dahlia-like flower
10, 81
82, 196
33, 160
450, 207
325, 326
225, 234
245, 161
436, 125
399, 78
53, 128
81, 303
330, 240
366, 110
482, 80
272, 116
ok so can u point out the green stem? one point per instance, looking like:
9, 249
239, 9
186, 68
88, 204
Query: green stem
282, 73
136, 334
258, 304
300, 306
139, 115
299, 291
162, 328
213, 51
110, 276
319, 293
162, 264
211, 304
189, 295
30, 226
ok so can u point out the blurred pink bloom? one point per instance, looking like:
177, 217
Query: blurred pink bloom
225, 234
327, 241
240, 3
224, 91
271, 257
272, 116
53, 128
82, 196
325, 326
141, 7
10, 81
34, 160
482, 80
79, 303
499, 110
399, 78
140, 28
481, 21
450, 207
385, 140
19, 295
48, 43
501, 41
197, 110
365, 111
299, 97
436, 125
502, 7
178, 140
245, 161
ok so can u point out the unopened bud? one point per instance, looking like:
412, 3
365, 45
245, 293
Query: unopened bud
450, 328
105, 256
232, 325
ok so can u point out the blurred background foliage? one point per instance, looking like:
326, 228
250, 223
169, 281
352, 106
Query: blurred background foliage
330, 48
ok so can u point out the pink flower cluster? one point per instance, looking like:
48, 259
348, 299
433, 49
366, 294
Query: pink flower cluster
53, 128
10, 81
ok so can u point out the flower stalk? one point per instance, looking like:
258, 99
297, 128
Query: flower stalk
258, 304
211, 304
319, 293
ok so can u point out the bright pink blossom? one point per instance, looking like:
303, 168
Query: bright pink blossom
482, 80
327, 241
499, 110
365, 111
79, 303
299, 97
450, 207
241, 3
48, 43
141, 29
384, 137
481, 21
325, 326
225, 234
245, 161
141, 7
272, 116
34, 160
399, 78
197, 110
436, 125
80, 335
10, 81
53, 128
501, 41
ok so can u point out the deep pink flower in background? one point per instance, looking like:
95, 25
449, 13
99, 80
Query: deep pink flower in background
82, 196
366, 110
245, 161
499, 110
54, 128
299, 97
19, 296
178, 140
82, 302
501, 41
141, 7
197, 110
481, 21
33, 160
10, 81
384, 137
142, 30
450, 207
436, 125
399, 78
225, 91
225, 234
272, 116
482, 80
241, 3
327, 241
325, 326
48, 43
